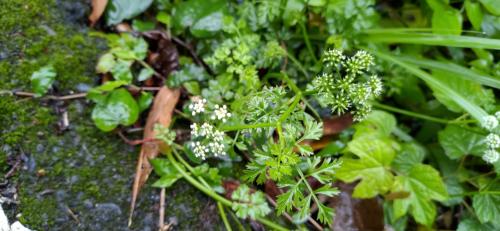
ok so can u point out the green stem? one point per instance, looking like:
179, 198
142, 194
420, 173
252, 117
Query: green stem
307, 41
246, 126
224, 217
308, 186
418, 115
297, 63
290, 109
209, 192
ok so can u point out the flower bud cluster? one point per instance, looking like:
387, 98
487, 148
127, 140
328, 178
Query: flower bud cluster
345, 86
492, 140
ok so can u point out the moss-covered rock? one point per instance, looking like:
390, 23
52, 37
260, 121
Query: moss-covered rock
79, 178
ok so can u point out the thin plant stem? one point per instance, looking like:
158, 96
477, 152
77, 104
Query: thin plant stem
307, 41
209, 192
297, 63
246, 126
223, 216
418, 115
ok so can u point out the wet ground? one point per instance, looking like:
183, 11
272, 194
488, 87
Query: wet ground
75, 177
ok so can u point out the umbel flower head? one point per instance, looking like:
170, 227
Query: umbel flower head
491, 156
345, 85
489, 122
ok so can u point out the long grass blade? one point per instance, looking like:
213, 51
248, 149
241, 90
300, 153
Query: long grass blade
477, 112
456, 69
391, 36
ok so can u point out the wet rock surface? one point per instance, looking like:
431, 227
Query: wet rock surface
75, 178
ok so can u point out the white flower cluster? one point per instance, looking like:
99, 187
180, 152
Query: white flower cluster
197, 106
359, 62
376, 85
492, 140
221, 113
211, 140
333, 57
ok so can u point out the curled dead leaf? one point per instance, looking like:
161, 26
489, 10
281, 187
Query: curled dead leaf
161, 112
98, 7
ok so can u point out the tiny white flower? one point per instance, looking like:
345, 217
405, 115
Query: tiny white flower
197, 106
333, 57
497, 114
217, 148
491, 156
206, 129
200, 150
195, 130
493, 140
221, 113
489, 122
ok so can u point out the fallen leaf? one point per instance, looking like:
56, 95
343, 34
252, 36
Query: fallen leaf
333, 126
98, 7
161, 112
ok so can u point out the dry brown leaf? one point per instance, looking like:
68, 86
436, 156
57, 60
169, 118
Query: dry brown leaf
161, 112
98, 7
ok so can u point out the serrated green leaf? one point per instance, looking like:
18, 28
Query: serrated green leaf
325, 214
42, 80
376, 124
313, 130
458, 142
471, 224
487, 205
305, 208
424, 185
247, 204
325, 172
327, 190
410, 154
372, 167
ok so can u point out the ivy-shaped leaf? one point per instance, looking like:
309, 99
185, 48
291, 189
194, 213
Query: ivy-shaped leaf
118, 108
410, 154
372, 167
424, 185
376, 124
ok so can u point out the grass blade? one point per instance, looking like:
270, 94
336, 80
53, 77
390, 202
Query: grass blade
391, 36
456, 69
477, 112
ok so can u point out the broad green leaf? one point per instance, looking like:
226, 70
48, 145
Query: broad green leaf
293, 12
145, 74
474, 13
493, 6
42, 80
471, 224
97, 94
121, 71
164, 18
167, 172
455, 69
409, 155
118, 108
475, 111
372, 167
188, 72
119, 10
458, 142
445, 19
106, 63
424, 185
376, 124
487, 204
142, 26
144, 100
203, 17
473, 92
